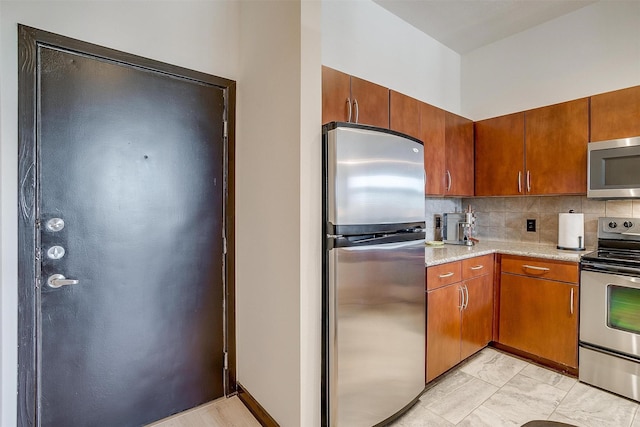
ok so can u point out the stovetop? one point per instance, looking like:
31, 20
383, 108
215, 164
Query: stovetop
618, 242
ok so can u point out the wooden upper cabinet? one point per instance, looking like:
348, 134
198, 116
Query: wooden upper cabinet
499, 156
370, 103
404, 114
336, 95
615, 114
556, 139
347, 98
432, 135
459, 157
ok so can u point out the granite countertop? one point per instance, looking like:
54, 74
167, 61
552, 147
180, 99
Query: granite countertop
435, 255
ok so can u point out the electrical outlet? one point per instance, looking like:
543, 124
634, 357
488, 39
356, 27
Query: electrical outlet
531, 225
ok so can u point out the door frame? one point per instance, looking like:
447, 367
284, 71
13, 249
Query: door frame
29, 334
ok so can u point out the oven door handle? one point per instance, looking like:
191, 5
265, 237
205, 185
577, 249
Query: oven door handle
612, 269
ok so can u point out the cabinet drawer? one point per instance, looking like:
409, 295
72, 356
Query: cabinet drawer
443, 274
542, 268
477, 266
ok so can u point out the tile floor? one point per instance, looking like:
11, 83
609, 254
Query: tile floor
495, 389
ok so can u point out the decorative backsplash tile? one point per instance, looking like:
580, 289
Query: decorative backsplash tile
504, 218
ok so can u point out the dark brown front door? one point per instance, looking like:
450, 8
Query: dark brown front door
129, 204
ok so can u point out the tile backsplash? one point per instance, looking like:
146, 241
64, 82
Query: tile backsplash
505, 218
438, 206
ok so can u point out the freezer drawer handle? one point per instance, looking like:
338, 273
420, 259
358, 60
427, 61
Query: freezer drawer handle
445, 275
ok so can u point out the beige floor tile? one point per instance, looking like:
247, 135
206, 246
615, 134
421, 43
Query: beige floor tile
420, 416
493, 367
547, 376
591, 407
523, 399
223, 412
456, 396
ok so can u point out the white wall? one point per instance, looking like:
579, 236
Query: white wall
279, 208
362, 38
193, 34
310, 214
592, 50
268, 207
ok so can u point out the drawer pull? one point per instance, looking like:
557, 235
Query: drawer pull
533, 267
477, 267
449, 274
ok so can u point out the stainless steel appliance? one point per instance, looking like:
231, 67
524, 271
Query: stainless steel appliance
457, 228
373, 274
609, 351
614, 168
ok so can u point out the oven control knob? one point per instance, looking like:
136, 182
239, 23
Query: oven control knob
613, 224
628, 224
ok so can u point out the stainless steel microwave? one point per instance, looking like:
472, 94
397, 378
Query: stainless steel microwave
613, 169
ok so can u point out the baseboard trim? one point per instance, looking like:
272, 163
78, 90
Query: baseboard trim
568, 370
255, 408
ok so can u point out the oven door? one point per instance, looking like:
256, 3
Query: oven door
610, 311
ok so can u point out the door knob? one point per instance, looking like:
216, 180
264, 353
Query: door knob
58, 280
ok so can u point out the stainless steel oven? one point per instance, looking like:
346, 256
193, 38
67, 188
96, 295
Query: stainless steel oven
609, 352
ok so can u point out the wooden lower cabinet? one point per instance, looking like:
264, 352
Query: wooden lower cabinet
540, 317
477, 316
459, 315
444, 322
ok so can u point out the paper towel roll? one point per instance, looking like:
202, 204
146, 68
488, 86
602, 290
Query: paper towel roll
571, 231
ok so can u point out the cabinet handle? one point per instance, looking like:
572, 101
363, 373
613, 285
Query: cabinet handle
477, 267
349, 104
571, 301
466, 301
449, 180
449, 274
355, 104
519, 181
461, 299
533, 267
528, 181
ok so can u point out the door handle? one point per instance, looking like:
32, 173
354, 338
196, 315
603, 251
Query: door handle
58, 280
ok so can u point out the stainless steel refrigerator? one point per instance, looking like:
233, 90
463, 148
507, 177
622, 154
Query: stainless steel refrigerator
374, 274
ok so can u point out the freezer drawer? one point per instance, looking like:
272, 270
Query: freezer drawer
376, 331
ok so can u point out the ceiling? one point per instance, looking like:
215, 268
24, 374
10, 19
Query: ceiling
465, 25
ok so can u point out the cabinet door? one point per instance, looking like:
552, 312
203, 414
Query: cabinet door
336, 88
404, 114
432, 135
556, 139
443, 329
370, 103
615, 114
540, 317
499, 157
477, 316
459, 155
